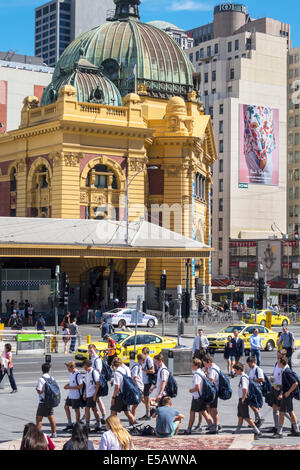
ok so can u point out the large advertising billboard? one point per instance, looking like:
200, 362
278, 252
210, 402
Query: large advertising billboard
259, 145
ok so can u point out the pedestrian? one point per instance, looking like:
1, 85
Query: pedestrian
123, 303
34, 439
30, 315
74, 332
22, 310
66, 320
44, 411
105, 328
287, 341
229, 356
116, 436
74, 387
148, 376
97, 364
7, 367
289, 384
198, 406
40, 324
238, 346
117, 402
137, 375
92, 385
168, 419
111, 349
123, 326
257, 375
200, 345
256, 346
15, 321
243, 405
102, 306
65, 337
8, 308
162, 378
212, 373
80, 439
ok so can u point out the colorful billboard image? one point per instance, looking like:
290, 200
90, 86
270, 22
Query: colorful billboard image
259, 145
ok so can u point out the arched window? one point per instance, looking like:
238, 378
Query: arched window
101, 177
200, 187
42, 177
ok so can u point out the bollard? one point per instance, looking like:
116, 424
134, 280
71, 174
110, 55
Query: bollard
1, 331
88, 339
52, 342
171, 362
132, 359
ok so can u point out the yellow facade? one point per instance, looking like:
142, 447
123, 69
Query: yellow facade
71, 160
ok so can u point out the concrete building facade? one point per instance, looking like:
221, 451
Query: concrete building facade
20, 76
243, 71
59, 22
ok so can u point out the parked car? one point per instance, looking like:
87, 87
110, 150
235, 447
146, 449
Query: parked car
128, 315
261, 319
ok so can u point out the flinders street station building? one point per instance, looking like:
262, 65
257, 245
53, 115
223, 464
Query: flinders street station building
109, 175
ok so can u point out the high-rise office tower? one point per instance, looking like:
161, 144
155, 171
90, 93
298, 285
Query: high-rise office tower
242, 66
59, 22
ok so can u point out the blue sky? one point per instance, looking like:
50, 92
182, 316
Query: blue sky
17, 17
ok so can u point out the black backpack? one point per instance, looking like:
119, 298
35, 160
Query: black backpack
82, 401
171, 387
152, 378
52, 393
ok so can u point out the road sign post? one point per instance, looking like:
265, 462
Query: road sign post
138, 308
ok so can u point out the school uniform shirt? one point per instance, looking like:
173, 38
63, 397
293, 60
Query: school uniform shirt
149, 363
243, 384
75, 379
137, 372
162, 376
256, 373
110, 442
97, 363
41, 386
90, 379
198, 377
213, 374
118, 376
200, 342
277, 374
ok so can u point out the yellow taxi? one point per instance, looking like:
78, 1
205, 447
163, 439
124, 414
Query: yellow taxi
218, 340
277, 318
125, 344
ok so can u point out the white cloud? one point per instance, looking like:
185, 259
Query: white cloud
190, 5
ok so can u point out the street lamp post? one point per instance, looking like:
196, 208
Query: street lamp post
57, 274
255, 294
128, 183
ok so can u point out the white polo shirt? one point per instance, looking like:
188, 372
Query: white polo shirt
198, 377
162, 376
97, 363
118, 376
149, 363
41, 386
213, 374
256, 375
277, 374
243, 384
90, 379
137, 372
75, 394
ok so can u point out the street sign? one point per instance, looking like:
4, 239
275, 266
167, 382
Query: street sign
243, 186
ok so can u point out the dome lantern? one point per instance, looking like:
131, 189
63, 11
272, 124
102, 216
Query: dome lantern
126, 9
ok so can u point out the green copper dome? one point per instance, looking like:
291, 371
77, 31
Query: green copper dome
123, 43
90, 84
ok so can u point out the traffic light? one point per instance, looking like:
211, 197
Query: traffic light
261, 293
64, 290
163, 282
186, 299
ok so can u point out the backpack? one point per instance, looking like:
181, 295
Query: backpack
103, 389
208, 391
255, 396
225, 390
152, 378
106, 371
266, 387
296, 393
81, 392
41, 323
171, 387
52, 393
131, 393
